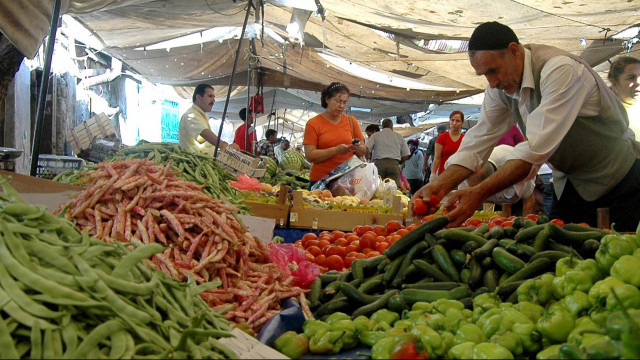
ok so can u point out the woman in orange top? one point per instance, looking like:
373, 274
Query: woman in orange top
329, 137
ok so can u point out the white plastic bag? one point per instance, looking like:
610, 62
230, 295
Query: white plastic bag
388, 187
360, 182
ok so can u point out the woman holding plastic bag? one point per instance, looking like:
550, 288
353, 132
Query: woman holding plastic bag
332, 137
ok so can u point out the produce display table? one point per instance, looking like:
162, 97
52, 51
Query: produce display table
278, 211
305, 217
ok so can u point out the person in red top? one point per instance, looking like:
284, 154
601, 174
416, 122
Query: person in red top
512, 137
447, 143
329, 137
239, 139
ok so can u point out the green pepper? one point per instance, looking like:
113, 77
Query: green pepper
557, 287
443, 305
626, 269
363, 323
291, 344
556, 325
630, 331
383, 348
381, 326
529, 337
311, 327
350, 337
599, 315
551, 352
408, 346
628, 294
447, 339
530, 310
434, 321
570, 351
370, 338
431, 339
487, 350
602, 289
510, 341
405, 324
565, 265
603, 348
581, 324
325, 342
537, 291
423, 306
395, 331
384, 315
452, 320
461, 351
486, 316
468, 332
577, 303
491, 325
613, 247
337, 316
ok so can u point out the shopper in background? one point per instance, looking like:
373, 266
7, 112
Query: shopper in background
511, 137
413, 167
265, 146
624, 75
371, 129
447, 144
332, 137
431, 150
279, 149
194, 132
571, 120
241, 132
389, 151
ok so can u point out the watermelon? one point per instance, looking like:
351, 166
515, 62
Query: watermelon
270, 165
292, 160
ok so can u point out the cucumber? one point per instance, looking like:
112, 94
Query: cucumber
464, 275
357, 269
431, 270
369, 309
461, 237
401, 277
520, 250
416, 249
572, 238
510, 231
406, 242
553, 245
542, 219
485, 250
392, 271
481, 230
480, 291
330, 307
475, 276
467, 302
441, 257
372, 285
412, 296
589, 248
370, 266
528, 233
497, 232
354, 294
487, 262
458, 256
581, 228
469, 246
540, 240
449, 285
329, 277
532, 269
491, 278
430, 239
549, 254
505, 290
506, 261
316, 291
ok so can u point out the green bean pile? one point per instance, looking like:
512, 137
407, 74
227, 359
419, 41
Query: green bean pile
194, 167
66, 295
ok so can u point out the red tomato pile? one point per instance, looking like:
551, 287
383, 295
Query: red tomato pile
336, 250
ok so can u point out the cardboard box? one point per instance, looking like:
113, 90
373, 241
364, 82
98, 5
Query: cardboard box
318, 219
39, 191
99, 126
278, 212
242, 162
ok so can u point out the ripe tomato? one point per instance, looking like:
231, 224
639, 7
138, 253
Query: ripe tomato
310, 243
434, 201
558, 222
373, 254
336, 234
323, 244
309, 236
334, 262
360, 256
381, 239
411, 227
533, 217
368, 240
315, 251
473, 222
321, 260
351, 248
402, 232
360, 230
394, 238
352, 237
355, 244
419, 207
341, 242
382, 246
427, 218
310, 257
298, 243
393, 226
335, 250
584, 224
380, 230
508, 223
348, 260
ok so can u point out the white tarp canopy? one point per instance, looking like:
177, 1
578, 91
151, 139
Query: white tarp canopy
400, 38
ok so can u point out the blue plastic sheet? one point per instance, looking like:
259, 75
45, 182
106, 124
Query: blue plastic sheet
290, 318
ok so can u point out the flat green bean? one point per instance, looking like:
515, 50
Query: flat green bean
98, 334
70, 338
120, 285
20, 315
36, 342
19, 296
6, 342
131, 259
118, 344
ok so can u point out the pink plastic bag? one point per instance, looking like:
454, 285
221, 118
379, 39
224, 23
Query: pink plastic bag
294, 261
246, 183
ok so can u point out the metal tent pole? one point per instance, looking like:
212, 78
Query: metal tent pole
247, 129
235, 66
44, 87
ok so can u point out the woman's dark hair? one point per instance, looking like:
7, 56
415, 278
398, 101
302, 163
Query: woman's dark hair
331, 91
200, 90
456, 112
374, 128
618, 66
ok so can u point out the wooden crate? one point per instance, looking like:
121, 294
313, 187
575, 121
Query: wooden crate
317, 219
98, 126
243, 162
279, 211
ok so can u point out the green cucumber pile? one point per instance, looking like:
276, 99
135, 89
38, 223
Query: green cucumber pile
66, 295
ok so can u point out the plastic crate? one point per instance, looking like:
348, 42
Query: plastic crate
51, 165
